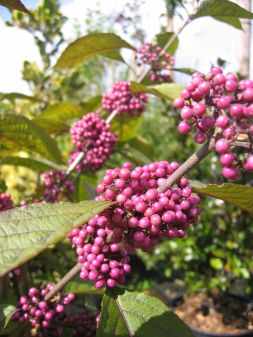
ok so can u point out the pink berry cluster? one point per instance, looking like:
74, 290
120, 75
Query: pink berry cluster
5, 202
55, 184
81, 323
39, 313
159, 61
123, 100
92, 135
219, 100
141, 218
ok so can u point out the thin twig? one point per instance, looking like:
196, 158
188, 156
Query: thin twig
191, 162
168, 44
61, 284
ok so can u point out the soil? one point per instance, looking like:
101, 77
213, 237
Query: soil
226, 314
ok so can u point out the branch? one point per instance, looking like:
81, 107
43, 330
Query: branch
191, 162
61, 284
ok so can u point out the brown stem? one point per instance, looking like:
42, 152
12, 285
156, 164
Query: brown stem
61, 284
191, 162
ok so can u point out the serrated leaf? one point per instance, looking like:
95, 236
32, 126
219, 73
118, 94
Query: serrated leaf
88, 46
126, 127
17, 95
22, 133
164, 38
27, 231
91, 105
134, 314
32, 163
168, 91
6, 312
238, 195
14, 5
78, 286
60, 112
223, 10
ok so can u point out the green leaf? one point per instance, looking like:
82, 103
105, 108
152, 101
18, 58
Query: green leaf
60, 112
32, 163
22, 133
27, 231
126, 127
6, 312
14, 5
164, 38
134, 314
223, 10
3, 186
187, 71
51, 126
92, 104
167, 90
145, 147
216, 263
16, 95
238, 195
78, 286
88, 46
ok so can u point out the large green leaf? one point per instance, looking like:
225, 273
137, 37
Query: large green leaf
27, 231
51, 126
126, 127
62, 112
32, 163
166, 90
144, 146
164, 38
238, 195
22, 133
134, 314
14, 5
223, 10
90, 45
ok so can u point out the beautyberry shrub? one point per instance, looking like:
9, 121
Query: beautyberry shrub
39, 313
222, 101
56, 184
159, 61
123, 100
141, 217
92, 136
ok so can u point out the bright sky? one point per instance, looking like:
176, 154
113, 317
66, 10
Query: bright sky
201, 43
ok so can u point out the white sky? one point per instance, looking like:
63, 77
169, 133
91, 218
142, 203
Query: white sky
201, 43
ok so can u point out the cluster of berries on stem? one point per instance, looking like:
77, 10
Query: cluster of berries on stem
124, 101
219, 100
56, 184
5, 202
92, 136
159, 60
39, 313
141, 217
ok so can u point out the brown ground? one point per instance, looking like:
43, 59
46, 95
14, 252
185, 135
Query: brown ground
216, 315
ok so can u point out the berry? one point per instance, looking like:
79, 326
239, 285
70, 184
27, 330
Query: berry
56, 184
159, 61
123, 100
6, 202
92, 136
141, 218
